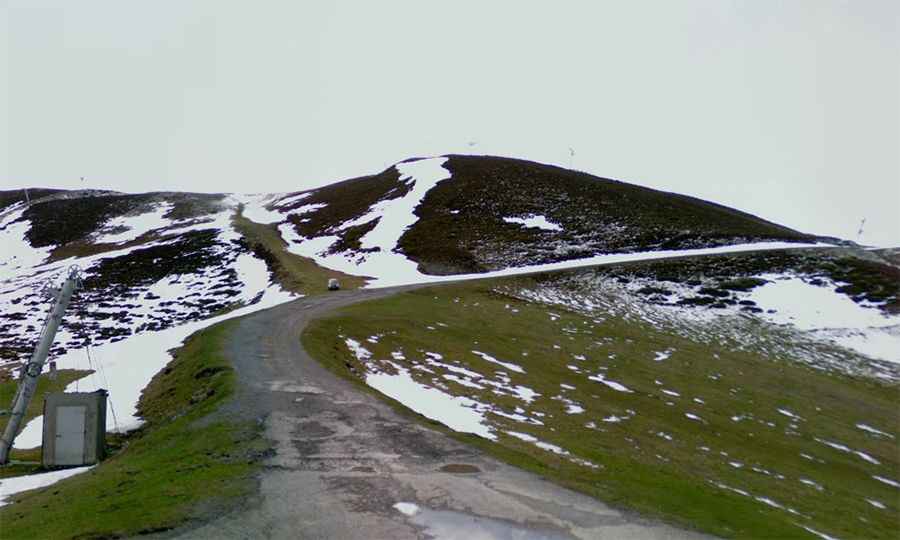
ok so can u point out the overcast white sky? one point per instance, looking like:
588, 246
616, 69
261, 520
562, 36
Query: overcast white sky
786, 109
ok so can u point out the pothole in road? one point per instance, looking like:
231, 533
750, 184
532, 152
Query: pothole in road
460, 468
315, 430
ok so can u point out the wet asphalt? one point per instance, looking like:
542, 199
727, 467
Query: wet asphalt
343, 458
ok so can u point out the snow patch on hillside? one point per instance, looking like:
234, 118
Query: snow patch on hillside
812, 307
256, 208
18, 255
808, 320
126, 310
534, 221
126, 367
131, 327
821, 311
18, 484
123, 229
459, 413
386, 267
379, 257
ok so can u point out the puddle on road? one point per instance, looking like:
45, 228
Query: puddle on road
450, 525
293, 387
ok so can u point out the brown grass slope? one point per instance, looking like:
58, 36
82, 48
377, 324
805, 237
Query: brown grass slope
64, 221
12, 196
460, 227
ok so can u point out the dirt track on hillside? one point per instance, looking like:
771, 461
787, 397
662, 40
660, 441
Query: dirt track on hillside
343, 458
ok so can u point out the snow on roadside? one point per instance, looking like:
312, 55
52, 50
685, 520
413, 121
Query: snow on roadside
18, 484
459, 413
387, 268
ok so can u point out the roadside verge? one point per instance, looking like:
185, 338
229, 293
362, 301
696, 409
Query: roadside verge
181, 462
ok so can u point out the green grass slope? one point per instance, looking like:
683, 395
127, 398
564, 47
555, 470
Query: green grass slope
182, 461
703, 439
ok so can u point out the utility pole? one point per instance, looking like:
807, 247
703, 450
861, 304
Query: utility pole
29, 380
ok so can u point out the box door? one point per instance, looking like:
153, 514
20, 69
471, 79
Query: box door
69, 444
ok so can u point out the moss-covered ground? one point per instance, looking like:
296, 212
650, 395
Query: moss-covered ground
182, 459
723, 441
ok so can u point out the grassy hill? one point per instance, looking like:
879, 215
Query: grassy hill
583, 382
466, 223
460, 227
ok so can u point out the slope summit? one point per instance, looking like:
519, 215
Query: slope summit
479, 213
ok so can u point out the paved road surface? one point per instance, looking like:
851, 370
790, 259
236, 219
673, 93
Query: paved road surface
344, 459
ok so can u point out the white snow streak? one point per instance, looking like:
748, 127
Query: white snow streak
18, 484
534, 221
456, 412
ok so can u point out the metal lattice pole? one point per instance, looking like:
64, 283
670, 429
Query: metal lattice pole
28, 382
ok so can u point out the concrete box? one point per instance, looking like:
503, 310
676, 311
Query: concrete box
74, 429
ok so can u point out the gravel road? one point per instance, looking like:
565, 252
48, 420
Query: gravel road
343, 459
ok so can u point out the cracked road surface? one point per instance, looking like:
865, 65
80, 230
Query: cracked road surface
343, 459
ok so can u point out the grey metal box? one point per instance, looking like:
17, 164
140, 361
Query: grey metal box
74, 429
